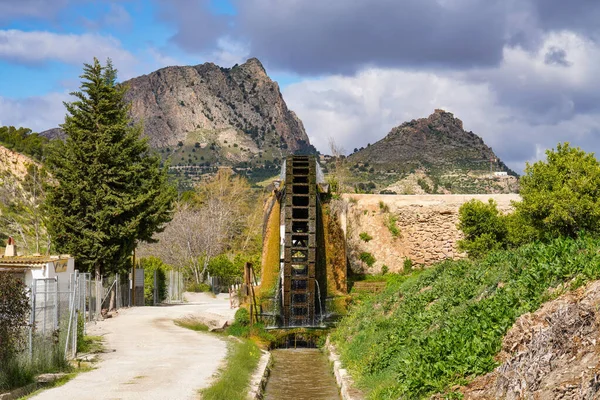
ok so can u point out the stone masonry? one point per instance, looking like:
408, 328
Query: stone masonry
427, 225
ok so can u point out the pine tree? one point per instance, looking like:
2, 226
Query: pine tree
110, 190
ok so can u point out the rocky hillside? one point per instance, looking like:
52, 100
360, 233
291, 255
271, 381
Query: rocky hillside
21, 196
549, 354
442, 156
204, 116
176, 101
436, 141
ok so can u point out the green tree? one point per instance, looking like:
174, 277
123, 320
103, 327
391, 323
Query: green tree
110, 190
483, 226
561, 196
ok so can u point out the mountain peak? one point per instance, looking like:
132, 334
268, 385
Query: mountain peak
437, 141
253, 64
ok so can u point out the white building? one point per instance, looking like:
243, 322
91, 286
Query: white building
37, 267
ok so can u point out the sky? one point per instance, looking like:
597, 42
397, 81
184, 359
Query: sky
522, 74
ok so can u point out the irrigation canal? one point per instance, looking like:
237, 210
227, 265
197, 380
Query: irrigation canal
301, 374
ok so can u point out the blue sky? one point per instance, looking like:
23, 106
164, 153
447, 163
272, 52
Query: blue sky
519, 73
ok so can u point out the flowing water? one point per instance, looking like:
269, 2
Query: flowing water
301, 374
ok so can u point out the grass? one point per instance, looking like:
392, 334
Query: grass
192, 324
19, 370
233, 380
440, 327
90, 344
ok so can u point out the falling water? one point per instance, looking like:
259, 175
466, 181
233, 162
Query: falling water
320, 304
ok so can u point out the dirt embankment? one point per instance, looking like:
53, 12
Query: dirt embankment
553, 353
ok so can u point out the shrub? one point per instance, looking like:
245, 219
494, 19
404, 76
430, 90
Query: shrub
367, 258
14, 310
390, 223
383, 207
483, 227
384, 269
561, 196
198, 287
242, 317
150, 265
364, 236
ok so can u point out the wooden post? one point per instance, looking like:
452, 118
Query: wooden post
133, 280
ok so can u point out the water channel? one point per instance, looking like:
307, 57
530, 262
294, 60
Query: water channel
301, 374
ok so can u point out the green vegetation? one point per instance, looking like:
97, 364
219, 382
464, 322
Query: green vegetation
367, 258
364, 236
23, 140
198, 287
440, 327
150, 265
110, 192
390, 223
560, 197
483, 226
383, 207
192, 324
407, 265
232, 381
444, 325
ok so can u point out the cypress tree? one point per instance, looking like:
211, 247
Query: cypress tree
109, 190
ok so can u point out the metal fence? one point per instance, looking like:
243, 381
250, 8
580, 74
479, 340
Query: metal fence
57, 310
62, 309
175, 287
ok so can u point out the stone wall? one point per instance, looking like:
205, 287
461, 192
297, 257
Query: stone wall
427, 228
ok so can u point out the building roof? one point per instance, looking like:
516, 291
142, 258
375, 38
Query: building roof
26, 261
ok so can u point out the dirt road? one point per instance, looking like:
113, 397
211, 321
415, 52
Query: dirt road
149, 356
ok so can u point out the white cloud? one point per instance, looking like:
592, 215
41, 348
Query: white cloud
520, 108
41, 46
37, 113
229, 52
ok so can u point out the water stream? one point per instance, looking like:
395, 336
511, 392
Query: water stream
301, 374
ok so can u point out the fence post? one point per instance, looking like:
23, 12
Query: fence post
32, 319
155, 291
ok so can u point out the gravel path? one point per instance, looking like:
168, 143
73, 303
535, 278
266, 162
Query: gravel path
149, 357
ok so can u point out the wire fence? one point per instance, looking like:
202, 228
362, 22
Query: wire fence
62, 308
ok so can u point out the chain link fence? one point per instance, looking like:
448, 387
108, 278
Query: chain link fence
61, 309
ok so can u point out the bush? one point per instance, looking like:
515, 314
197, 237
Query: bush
242, 317
384, 269
364, 236
483, 227
561, 196
367, 258
150, 265
14, 312
198, 287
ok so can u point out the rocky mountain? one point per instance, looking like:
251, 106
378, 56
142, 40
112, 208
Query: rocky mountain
203, 116
174, 102
434, 153
438, 141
